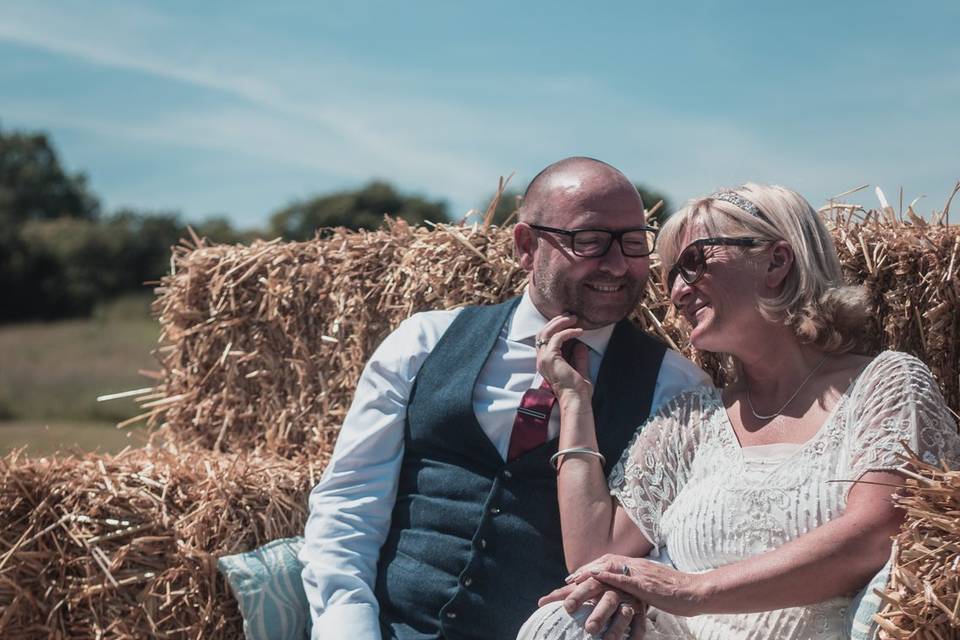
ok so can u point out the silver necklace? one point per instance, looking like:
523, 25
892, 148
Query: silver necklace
758, 416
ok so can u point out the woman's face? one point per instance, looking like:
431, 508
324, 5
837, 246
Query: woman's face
721, 306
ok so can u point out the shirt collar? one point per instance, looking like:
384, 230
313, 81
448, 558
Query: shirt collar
527, 321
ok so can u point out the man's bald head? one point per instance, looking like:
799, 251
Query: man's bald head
586, 195
565, 179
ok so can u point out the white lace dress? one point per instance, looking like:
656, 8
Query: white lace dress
687, 484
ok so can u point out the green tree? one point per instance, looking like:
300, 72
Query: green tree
72, 264
650, 198
363, 208
33, 185
17, 268
144, 241
67, 265
58, 255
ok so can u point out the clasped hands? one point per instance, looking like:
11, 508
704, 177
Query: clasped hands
622, 587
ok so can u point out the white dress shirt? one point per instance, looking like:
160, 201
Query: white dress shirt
351, 506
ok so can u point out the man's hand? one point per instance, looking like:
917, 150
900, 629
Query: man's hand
651, 582
610, 607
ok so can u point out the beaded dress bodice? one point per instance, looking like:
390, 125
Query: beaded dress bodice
687, 484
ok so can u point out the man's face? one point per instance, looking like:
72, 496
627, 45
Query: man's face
601, 290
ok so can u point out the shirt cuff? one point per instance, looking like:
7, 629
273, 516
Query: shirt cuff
346, 622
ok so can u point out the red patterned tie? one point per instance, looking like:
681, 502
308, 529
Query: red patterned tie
533, 415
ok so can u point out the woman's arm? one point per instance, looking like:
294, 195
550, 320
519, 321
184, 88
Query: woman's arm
592, 521
832, 560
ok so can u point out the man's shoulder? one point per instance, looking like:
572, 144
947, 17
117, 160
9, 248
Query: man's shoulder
424, 327
674, 363
433, 318
445, 317
629, 334
440, 320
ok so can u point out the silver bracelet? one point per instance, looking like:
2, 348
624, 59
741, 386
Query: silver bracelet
554, 459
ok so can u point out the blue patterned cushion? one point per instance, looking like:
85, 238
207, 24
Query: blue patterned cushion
268, 588
267, 585
865, 604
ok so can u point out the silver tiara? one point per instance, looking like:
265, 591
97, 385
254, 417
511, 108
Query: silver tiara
739, 201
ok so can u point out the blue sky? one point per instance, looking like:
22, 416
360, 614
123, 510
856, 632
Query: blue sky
238, 108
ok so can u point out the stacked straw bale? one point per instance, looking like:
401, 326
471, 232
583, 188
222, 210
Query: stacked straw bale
125, 546
923, 597
262, 347
265, 343
912, 272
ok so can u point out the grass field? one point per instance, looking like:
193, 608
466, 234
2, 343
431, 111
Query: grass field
45, 438
51, 374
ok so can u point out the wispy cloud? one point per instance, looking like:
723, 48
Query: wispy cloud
246, 91
324, 133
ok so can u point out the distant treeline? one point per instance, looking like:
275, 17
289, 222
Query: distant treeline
61, 255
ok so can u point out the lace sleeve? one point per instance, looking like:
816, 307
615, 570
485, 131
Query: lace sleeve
899, 401
655, 466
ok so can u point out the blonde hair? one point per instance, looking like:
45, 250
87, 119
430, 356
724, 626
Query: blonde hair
813, 300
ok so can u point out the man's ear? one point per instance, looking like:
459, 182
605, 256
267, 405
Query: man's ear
779, 265
524, 245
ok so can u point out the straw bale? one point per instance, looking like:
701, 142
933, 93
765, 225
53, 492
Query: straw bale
923, 598
125, 546
912, 273
264, 343
262, 346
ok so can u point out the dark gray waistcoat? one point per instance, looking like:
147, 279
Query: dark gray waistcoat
475, 541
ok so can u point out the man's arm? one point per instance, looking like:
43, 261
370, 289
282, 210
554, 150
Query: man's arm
350, 507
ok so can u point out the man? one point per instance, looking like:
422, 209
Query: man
437, 515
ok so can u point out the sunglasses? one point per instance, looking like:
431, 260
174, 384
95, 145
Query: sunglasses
594, 243
692, 262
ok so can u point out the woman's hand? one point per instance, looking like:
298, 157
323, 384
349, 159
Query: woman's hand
656, 584
567, 379
610, 606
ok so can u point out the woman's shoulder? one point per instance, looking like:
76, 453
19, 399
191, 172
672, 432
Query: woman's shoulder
892, 358
674, 431
699, 399
685, 417
892, 367
895, 381
898, 399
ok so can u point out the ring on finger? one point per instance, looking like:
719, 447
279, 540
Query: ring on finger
627, 610
539, 342
590, 603
625, 570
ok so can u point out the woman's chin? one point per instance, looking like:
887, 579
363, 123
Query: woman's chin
703, 339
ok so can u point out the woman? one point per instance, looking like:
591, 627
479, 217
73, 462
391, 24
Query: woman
750, 488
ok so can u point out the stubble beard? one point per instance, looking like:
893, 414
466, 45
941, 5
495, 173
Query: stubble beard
569, 296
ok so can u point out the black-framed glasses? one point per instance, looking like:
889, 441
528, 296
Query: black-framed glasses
692, 262
636, 242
